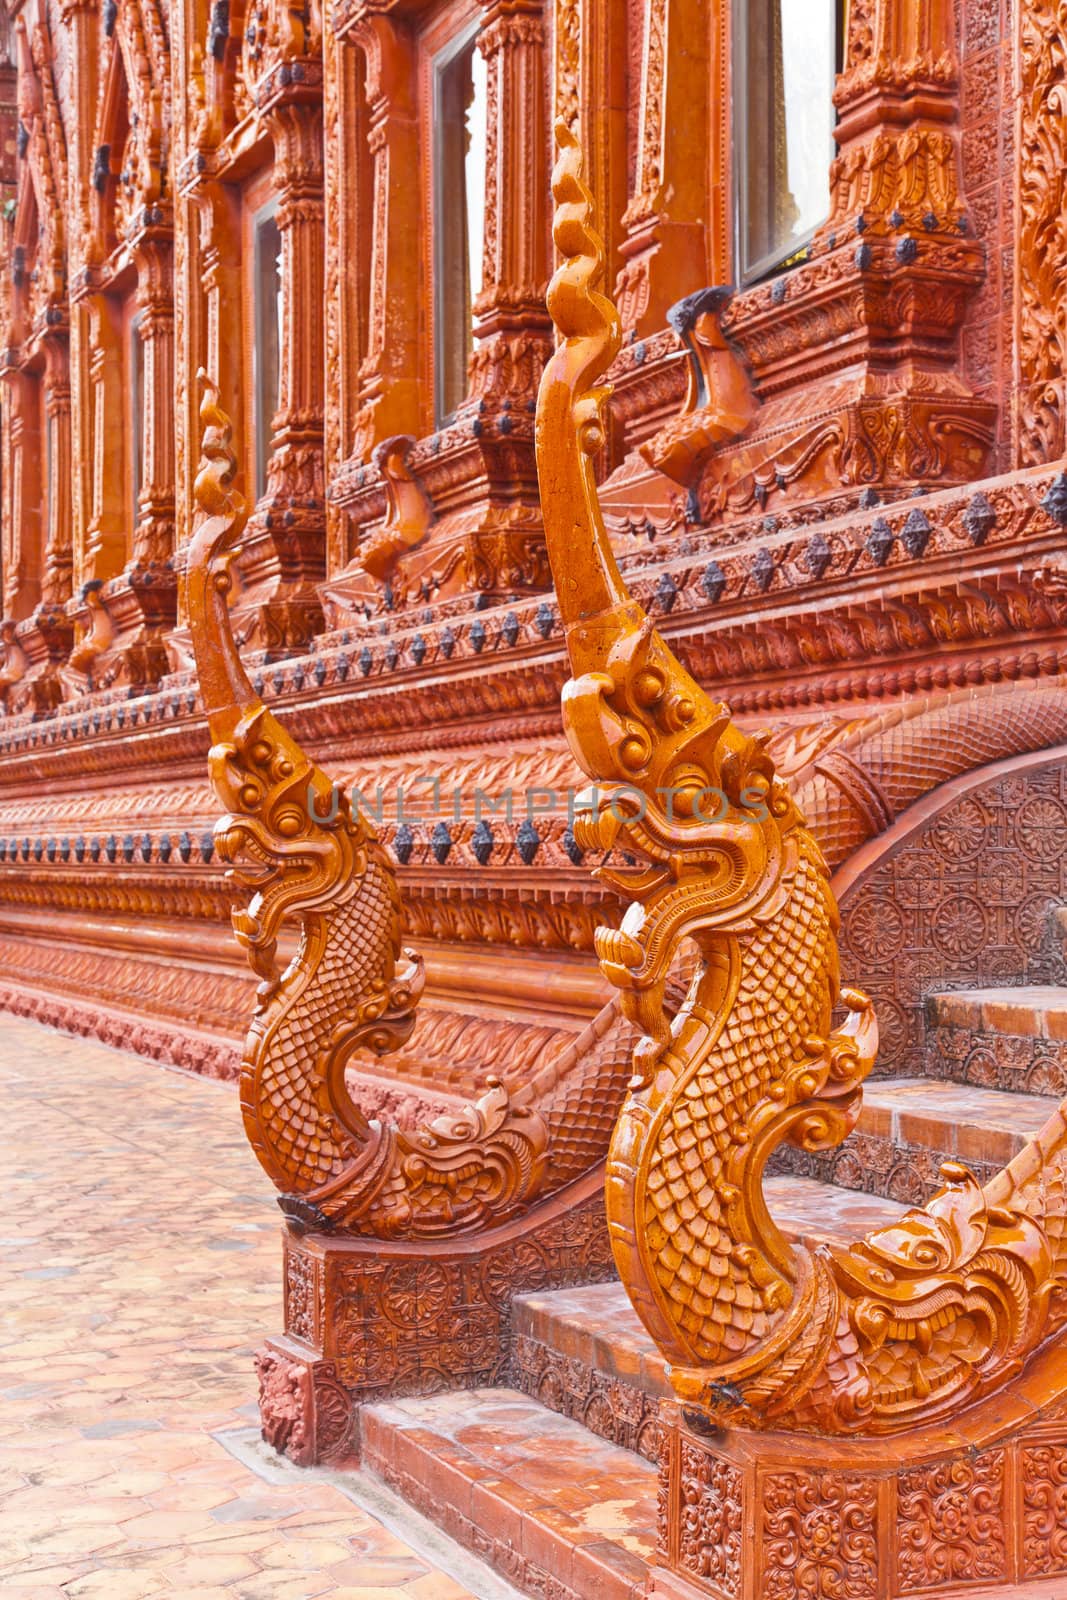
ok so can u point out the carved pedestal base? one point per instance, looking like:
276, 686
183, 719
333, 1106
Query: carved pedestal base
980, 1502
365, 1319
502, 555
44, 643
122, 626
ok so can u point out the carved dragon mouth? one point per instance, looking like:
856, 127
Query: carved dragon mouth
249, 856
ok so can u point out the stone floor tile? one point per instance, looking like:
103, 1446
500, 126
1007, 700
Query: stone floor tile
130, 1321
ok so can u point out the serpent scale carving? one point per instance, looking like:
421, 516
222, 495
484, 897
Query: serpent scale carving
917, 1319
310, 859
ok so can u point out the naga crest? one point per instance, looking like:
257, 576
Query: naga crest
678, 785
918, 1319
288, 833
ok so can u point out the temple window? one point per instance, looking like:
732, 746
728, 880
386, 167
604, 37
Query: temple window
266, 345
786, 58
460, 123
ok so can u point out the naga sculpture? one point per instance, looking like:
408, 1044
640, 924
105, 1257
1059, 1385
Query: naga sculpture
311, 859
921, 1317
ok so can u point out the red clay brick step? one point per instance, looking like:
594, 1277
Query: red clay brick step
531, 1492
999, 1038
1036, 1011
959, 1121
584, 1353
536, 1495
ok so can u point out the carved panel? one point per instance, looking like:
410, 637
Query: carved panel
964, 902
951, 1524
608, 1407
423, 1324
1044, 1532
711, 1517
819, 1537
1041, 303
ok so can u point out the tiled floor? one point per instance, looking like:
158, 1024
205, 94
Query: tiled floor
138, 1267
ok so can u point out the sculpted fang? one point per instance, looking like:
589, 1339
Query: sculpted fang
919, 1318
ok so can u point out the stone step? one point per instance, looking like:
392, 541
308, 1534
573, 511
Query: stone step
559, 1513
909, 1126
584, 1352
556, 1510
1004, 1038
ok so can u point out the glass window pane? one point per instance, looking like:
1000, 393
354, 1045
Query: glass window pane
459, 155
787, 55
266, 353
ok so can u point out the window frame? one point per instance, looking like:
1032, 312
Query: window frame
775, 261
439, 62
262, 425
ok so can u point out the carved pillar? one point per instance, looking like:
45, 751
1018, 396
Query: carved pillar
105, 544
512, 330
665, 249
295, 470
897, 162
82, 19
58, 553
153, 538
220, 282
23, 494
130, 591
590, 89
1041, 234
389, 389
285, 547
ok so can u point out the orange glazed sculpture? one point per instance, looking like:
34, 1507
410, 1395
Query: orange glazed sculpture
513, 1165
313, 861
934, 1338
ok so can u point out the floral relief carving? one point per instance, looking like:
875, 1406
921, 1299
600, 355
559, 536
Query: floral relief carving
711, 1517
1041, 310
1044, 1488
951, 1523
819, 1537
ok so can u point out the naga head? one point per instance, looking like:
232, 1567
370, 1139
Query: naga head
288, 834
680, 791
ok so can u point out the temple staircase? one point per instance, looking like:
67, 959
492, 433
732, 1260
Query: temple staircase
553, 1480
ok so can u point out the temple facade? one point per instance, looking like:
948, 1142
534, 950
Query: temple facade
307, 250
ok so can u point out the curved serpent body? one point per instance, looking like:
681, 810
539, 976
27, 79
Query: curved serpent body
307, 857
918, 1318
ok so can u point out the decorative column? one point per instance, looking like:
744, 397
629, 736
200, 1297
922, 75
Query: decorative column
23, 493
153, 538
1040, 422
58, 553
388, 382
590, 89
286, 542
512, 330
665, 249
897, 163
81, 19
105, 542
122, 613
